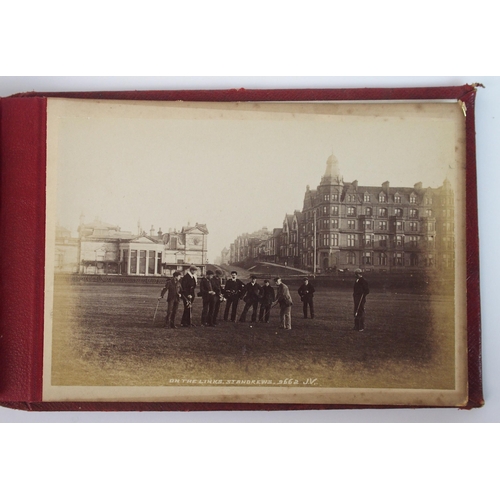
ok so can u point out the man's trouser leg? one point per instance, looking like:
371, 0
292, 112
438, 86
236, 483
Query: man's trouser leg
234, 308
255, 304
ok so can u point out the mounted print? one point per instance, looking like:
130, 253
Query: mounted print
244, 249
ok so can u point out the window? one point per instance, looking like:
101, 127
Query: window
335, 197
133, 262
382, 225
335, 211
368, 240
351, 224
351, 211
413, 213
367, 224
382, 212
430, 226
399, 225
151, 262
366, 198
413, 199
414, 259
382, 259
382, 198
413, 241
428, 213
429, 260
351, 258
351, 240
335, 239
398, 259
382, 239
397, 199
326, 197
399, 241
398, 212
428, 201
367, 258
368, 211
335, 223
125, 262
142, 261
173, 243
414, 226
325, 210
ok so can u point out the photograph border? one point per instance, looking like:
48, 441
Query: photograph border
465, 94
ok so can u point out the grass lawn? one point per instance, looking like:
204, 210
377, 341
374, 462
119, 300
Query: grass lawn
103, 334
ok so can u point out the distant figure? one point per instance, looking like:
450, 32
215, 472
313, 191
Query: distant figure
306, 292
266, 301
361, 290
284, 299
251, 298
233, 292
219, 297
188, 283
209, 297
173, 289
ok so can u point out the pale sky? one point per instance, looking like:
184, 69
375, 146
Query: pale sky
234, 167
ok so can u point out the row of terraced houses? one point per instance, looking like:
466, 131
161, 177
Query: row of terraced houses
348, 225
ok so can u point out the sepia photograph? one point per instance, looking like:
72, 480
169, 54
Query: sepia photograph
256, 252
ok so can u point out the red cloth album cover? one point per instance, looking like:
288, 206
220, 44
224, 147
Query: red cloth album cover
239, 250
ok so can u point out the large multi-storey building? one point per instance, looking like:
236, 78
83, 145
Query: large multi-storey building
345, 225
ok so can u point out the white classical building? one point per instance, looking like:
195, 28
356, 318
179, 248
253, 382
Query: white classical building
103, 248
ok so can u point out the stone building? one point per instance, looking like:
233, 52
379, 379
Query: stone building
344, 225
103, 248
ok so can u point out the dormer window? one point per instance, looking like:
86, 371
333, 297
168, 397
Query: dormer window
397, 198
382, 198
366, 198
413, 198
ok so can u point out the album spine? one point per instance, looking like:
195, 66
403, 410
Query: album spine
22, 248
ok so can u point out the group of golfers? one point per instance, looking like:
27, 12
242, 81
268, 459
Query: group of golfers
257, 298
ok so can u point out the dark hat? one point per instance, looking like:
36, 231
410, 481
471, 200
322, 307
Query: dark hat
193, 268
253, 277
266, 281
218, 272
306, 279
176, 273
277, 278
209, 272
234, 272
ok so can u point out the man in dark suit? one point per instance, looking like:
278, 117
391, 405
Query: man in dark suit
361, 290
306, 292
219, 297
266, 301
173, 289
233, 291
252, 293
188, 284
209, 296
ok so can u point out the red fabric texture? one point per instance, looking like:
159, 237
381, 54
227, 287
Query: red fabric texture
22, 235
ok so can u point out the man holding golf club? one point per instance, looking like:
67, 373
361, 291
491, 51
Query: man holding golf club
173, 289
361, 290
188, 284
